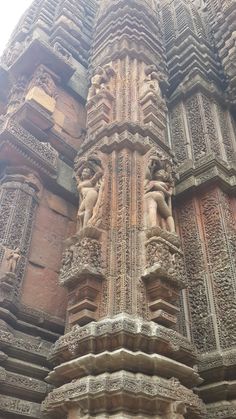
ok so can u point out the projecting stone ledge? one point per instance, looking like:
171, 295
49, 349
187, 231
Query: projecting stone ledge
123, 330
126, 392
123, 360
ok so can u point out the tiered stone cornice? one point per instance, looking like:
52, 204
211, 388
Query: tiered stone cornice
66, 27
24, 364
119, 392
208, 170
124, 331
40, 155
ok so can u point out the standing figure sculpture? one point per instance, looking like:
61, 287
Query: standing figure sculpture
158, 192
12, 260
89, 180
153, 82
100, 81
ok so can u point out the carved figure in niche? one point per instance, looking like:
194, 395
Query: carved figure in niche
100, 80
44, 80
67, 258
153, 81
89, 181
158, 192
12, 260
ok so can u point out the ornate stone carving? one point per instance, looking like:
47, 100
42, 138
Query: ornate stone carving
80, 391
17, 94
89, 174
100, 98
12, 260
84, 255
29, 345
14, 406
158, 191
201, 322
164, 275
43, 155
62, 51
100, 82
221, 266
115, 263
152, 82
18, 202
152, 101
15, 51
177, 410
196, 127
82, 273
44, 80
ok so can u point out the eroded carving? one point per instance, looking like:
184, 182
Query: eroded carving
44, 80
153, 81
13, 259
100, 81
17, 94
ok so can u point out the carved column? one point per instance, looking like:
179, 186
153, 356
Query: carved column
121, 355
18, 202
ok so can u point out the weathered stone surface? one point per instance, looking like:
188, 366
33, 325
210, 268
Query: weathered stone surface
121, 391
132, 103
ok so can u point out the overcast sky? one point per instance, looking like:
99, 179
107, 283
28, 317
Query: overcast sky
11, 11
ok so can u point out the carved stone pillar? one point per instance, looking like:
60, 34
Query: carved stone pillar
123, 269
18, 202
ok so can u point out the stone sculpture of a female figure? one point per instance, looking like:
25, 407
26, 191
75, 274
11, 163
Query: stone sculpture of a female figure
89, 179
158, 191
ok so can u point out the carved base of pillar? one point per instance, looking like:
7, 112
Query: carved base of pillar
218, 389
124, 392
123, 365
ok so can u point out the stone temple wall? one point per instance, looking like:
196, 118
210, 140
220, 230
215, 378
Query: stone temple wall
118, 211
